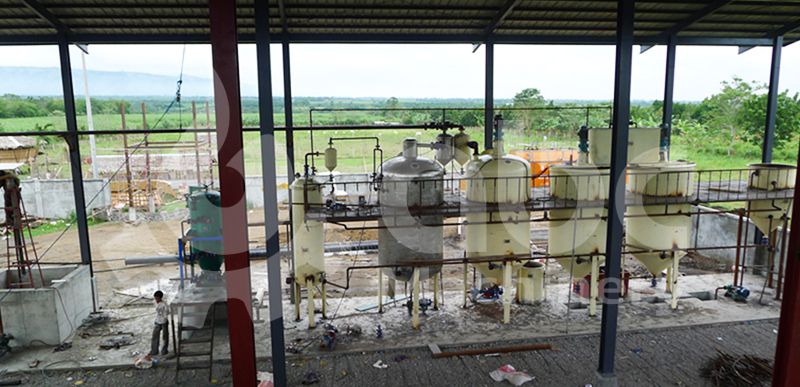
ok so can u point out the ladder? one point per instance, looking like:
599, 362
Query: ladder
200, 343
17, 242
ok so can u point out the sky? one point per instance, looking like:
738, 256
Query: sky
445, 71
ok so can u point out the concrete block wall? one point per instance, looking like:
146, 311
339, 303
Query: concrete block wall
38, 314
53, 198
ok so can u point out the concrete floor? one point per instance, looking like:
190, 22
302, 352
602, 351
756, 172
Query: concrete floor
654, 357
452, 324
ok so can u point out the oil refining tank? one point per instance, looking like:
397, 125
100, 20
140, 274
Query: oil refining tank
495, 179
461, 146
659, 234
767, 214
410, 182
205, 234
643, 145
308, 245
579, 232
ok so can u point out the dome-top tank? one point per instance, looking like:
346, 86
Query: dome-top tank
497, 178
408, 182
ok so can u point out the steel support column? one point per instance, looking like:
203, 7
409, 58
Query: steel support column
227, 106
488, 99
616, 193
787, 352
772, 100
669, 86
287, 110
73, 142
269, 187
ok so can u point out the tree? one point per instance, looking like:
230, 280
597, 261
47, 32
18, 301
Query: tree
529, 98
724, 109
787, 121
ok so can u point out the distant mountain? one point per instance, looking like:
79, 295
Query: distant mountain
46, 81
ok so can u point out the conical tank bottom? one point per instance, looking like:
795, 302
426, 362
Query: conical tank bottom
580, 267
656, 263
765, 220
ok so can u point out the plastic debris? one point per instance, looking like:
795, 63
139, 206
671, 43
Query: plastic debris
380, 364
143, 362
116, 342
34, 363
310, 377
264, 379
507, 372
636, 350
379, 332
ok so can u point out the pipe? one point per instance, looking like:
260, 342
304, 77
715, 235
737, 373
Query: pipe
259, 253
484, 351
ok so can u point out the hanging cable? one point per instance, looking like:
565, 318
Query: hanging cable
138, 146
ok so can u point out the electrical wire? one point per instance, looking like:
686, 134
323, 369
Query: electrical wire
136, 148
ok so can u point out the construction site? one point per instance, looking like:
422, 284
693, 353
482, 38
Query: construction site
410, 253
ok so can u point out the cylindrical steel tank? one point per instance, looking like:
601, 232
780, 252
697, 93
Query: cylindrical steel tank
643, 145
205, 219
770, 177
578, 231
308, 235
503, 180
409, 181
663, 230
530, 284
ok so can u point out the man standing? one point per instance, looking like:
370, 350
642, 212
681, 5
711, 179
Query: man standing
161, 324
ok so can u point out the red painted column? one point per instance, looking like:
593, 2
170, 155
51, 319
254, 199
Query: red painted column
787, 354
227, 106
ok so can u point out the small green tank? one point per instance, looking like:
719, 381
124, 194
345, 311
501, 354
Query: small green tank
205, 219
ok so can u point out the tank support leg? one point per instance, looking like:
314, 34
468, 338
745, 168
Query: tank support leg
507, 293
324, 299
296, 300
311, 318
466, 271
380, 291
435, 292
390, 288
593, 287
669, 280
674, 280
415, 299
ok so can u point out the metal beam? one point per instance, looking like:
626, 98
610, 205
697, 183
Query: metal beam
772, 100
501, 15
269, 188
669, 86
695, 17
75, 159
367, 38
616, 192
488, 97
787, 351
227, 105
786, 29
45, 14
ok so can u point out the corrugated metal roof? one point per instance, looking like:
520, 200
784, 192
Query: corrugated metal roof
532, 21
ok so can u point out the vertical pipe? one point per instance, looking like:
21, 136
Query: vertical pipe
196, 145
128, 178
772, 100
227, 105
323, 298
506, 292
210, 148
669, 86
593, 283
415, 299
146, 146
380, 291
270, 192
787, 353
616, 195
435, 292
781, 258
466, 286
674, 274
312, 319
738, 248
89, 120
75, 158
488, 99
